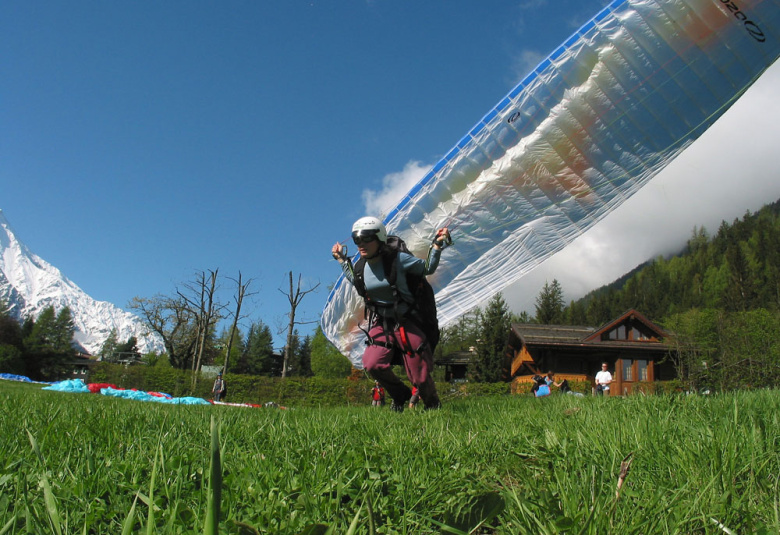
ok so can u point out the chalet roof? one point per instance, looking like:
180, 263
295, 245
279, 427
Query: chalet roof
83, 359
456, 357
535, 333
531, 334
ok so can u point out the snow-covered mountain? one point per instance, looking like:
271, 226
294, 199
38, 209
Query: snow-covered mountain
28, 284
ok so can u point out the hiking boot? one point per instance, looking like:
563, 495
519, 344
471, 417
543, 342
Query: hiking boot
397, 407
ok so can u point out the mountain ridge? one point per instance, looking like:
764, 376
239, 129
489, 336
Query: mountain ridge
29, 284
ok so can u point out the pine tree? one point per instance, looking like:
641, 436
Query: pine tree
237, 349
294, 355
258, 355
576, 314
739, 294
10, 329
550, 304
326, 361
48, 344
64, 327
108, 349
491, 363
11, 346
304, 358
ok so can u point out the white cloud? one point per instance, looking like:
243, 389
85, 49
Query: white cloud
394, 187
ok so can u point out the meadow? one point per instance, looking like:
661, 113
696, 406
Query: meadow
82, 463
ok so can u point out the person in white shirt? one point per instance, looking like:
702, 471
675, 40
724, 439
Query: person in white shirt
603, 379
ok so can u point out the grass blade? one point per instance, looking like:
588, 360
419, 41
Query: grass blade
215, 484
35, 447
354, 525
150, 517
51, 505
8, 525
127, 526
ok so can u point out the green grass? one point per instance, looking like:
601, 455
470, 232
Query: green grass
81, 463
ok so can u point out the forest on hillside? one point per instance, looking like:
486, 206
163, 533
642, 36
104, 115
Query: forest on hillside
719, 297
736, 270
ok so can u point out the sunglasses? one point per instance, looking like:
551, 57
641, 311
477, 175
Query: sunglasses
363, 239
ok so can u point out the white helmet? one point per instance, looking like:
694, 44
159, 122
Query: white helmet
369, 226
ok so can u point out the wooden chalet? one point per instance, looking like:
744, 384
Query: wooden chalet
456, 365
81, 365
632, 345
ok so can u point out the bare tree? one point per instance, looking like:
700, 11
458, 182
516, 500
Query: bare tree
170, 318
206, 310
294, 296
241, 293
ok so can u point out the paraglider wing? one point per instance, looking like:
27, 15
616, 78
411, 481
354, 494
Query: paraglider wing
593, 123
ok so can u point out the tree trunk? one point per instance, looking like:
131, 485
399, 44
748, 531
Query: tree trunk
290, 326
294, 297
206, 315
240, 294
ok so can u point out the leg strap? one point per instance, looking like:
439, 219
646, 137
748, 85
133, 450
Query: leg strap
406, 346
372, 342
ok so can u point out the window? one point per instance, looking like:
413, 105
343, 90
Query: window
641, 370
640, 373
628, 367
636, 334
619, 333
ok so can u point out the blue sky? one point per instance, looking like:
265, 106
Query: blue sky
143, 142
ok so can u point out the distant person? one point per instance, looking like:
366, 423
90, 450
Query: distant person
394, 322
549, 380
603, 380
220, 388
540, 388
563, 386
415, 399
377, 395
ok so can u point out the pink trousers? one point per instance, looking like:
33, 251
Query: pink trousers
377, 359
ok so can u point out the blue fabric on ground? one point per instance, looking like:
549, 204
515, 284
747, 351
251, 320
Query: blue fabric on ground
13, 377
144, 396
78, 386
184, 401
71, 385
